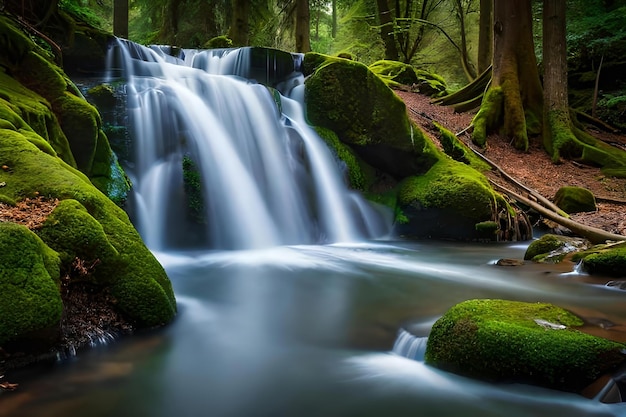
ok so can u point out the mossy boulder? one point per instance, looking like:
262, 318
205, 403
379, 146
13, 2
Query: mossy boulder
42, 95
30, 303
395, 73
347, 98
575, 200
554, 248
128, 269
218, 42
534, 343
607, 259
451, 200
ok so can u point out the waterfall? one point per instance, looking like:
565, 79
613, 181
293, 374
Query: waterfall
263, 177
409, 345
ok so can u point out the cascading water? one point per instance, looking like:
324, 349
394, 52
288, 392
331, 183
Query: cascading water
263, 176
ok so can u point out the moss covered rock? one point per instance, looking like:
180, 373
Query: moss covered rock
575, 200
347, 98
608, 259
218, 42
394, 73
553, 248
511, 341
32, 86
90, 226
30, 303
451, 200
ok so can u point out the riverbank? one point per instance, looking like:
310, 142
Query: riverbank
534, 168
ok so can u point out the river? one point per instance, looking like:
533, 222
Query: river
309, 331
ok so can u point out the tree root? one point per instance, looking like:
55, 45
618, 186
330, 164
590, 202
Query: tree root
546, 208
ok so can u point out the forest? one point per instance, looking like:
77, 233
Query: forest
312, 207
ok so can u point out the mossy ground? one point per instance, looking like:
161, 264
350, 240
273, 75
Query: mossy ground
395, 73
512, 341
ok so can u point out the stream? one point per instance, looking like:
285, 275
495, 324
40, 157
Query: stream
309, 330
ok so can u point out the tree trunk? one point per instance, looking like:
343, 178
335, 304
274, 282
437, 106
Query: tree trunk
239, 31
120, 18
303, 30
556, 118
468, 68
485, 35
513, 103
386, 30
334, 28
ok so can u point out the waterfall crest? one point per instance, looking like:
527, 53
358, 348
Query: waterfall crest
263, 176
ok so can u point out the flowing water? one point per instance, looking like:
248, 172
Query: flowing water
311, 317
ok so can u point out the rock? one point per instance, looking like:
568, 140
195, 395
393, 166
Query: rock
575, 200
509, 262
553, 248
534, 343
394, 73
608, 259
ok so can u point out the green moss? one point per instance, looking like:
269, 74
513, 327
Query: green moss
489, 116
606, 259
103, 96
520, 342
458, 151
450, 185
575, 200
136, 279
344, 153
193, 191
394, 73
29, 301
487, 228
544, 245
219, 42
347, 98
74, 233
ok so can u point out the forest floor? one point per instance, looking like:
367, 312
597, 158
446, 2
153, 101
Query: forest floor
534, 168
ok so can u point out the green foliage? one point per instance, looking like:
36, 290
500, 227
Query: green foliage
29, 273
95, 13
520, 342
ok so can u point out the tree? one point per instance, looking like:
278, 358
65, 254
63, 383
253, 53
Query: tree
462, 9
386, 21
303, 26
513, 103
485, 35
239, 29
120, 18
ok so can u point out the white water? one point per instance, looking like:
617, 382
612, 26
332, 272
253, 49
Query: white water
267, 178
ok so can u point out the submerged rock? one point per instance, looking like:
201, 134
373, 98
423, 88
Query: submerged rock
607, 259
535, 343
554, 248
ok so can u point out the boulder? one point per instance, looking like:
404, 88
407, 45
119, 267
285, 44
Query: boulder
511, 341
575, 200
607, 259
554, 248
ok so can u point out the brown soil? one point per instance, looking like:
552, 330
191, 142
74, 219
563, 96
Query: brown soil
534, 168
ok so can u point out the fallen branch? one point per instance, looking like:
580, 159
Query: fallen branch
593, 234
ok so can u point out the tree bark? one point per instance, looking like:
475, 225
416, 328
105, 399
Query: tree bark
303, 26
120, 18
485, 35
334, 27
513, 103
385, 18
239, 31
